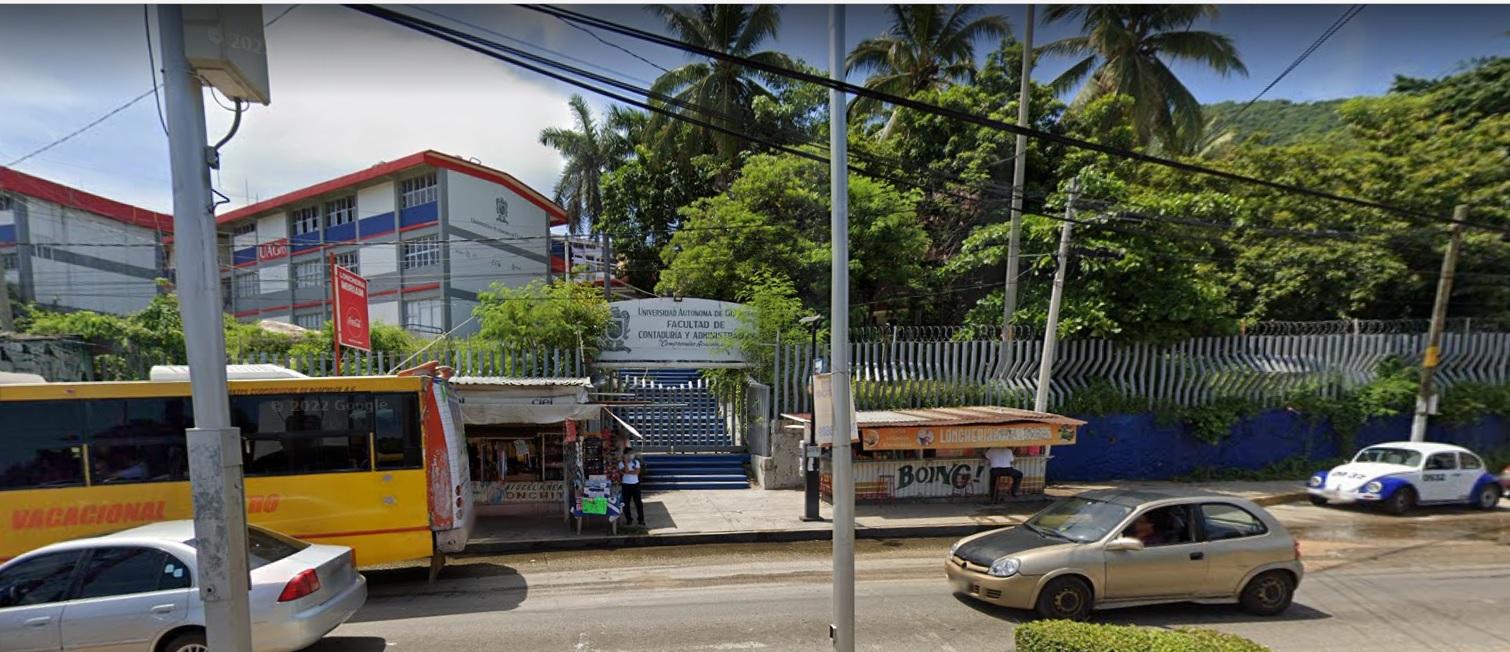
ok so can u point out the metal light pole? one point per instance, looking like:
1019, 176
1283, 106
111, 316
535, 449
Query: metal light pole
844, 484
810, 454
214, 446
1019, 179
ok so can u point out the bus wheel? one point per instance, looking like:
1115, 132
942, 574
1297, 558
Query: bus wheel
437, 562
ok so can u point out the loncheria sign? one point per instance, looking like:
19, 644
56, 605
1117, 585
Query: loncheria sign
663, 330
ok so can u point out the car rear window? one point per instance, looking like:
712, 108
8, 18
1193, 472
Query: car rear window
266, 546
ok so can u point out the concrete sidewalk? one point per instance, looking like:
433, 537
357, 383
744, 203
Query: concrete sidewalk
757, 515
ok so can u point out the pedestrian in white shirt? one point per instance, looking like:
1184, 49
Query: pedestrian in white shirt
1001, 466
630, 483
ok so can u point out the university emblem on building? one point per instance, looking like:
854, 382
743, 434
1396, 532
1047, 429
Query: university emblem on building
503, 210
618, 331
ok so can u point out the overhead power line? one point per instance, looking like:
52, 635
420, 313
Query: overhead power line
503, 53
970, 118
127, 105
1336, 25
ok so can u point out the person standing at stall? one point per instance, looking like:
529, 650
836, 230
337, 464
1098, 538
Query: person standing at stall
630, 482
1001, 466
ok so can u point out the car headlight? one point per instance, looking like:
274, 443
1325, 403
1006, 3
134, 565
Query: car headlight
1374, 487
1315, 481
1004, 568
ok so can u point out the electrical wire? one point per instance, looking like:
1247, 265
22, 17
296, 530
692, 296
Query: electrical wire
453, 36
970, 118
1336, 25
152, 66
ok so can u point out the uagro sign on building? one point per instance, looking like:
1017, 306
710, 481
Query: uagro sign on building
672, 331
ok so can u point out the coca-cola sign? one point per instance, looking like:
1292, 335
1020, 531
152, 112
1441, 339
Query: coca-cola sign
350, 314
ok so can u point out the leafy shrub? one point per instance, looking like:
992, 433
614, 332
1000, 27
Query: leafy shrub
1069, 636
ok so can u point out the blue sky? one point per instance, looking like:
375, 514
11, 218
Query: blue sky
350, 91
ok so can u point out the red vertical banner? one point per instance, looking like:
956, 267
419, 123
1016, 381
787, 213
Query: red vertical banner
349, 309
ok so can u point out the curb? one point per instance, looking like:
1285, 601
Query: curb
706, 538
1280, 499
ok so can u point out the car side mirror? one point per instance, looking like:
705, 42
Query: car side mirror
1124, 543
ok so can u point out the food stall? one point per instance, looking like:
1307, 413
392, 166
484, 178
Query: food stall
939, 453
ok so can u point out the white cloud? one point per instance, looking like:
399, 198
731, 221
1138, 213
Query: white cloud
349, 91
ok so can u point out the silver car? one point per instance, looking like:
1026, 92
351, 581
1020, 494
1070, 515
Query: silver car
1125, 547
136, 591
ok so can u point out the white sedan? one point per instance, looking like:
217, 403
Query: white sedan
1398, 476
136, 590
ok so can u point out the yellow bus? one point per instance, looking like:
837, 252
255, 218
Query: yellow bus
376, 463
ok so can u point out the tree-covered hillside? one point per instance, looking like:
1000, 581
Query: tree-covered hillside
1281, 122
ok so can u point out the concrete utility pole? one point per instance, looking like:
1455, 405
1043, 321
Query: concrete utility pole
1050, 331
1426, 398
1019, 177
607, 265
214, 446
844, 483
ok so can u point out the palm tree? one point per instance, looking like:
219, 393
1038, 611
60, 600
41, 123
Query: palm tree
590, 150
724, 89
927, 47
1125, 49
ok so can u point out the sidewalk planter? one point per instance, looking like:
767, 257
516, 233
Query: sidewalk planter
1068, 636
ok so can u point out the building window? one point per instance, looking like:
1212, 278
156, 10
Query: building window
245, 228
312, 322
309, 274
10, 260
306, 220
247, 285
349, 260
418, 191
424, 317
340, 211
5, 202
422, 252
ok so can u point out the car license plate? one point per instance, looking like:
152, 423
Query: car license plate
962, 584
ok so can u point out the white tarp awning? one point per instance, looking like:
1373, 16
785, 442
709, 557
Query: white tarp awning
504, 402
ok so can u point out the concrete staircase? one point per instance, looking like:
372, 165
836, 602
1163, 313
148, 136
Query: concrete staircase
673, 471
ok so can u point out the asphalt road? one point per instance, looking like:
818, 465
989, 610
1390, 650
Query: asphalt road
1438, 581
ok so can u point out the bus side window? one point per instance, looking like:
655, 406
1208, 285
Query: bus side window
302, 433
42, 445
398, 431
138, 440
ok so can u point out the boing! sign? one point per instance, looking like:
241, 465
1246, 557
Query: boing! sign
672, 331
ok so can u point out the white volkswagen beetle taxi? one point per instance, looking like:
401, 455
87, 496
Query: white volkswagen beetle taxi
1398, 476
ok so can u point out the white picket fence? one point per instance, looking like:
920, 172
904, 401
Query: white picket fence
1263, 368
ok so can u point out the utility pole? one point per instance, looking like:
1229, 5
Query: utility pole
1019, 177
1051, 331
1438, 320
214, 445
844, 484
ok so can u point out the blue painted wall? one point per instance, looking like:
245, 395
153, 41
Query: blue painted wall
1134, 447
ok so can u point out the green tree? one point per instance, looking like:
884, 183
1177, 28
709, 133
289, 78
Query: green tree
590, 149
727, 89
926, 48
557, 315
1126, 50
774, 222
386, 339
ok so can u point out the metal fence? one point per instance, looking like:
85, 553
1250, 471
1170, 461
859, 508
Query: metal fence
1262, 368
682, 413
470, 361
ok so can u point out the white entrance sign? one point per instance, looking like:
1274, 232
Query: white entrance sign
674, 331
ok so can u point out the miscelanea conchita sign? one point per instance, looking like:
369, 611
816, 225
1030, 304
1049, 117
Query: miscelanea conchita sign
665, 330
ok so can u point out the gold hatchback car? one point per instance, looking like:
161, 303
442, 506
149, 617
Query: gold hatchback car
1123, 547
